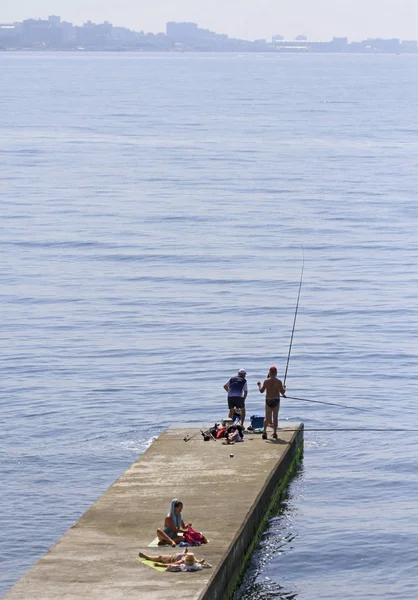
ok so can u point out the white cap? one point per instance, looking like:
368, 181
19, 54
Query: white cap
242, 372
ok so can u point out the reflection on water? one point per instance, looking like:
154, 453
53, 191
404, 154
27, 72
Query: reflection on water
262, 578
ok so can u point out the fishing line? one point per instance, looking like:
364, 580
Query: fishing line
294, 319
329, 403
290, 350
382, 429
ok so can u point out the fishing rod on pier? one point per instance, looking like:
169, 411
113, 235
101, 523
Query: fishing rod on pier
189, 438
201, 430
294, 319
290, 350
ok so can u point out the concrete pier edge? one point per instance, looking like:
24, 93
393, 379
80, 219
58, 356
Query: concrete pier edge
274, 501
268, 497
96, 558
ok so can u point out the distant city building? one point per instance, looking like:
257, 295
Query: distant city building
54, 20
54, 34
382, 45
409, 46
91, 35
190, 36
68, 33
42, 32
180, 32
340, 44
122, 35
9, 34
356, 47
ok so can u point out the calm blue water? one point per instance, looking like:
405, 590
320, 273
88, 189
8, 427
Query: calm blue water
153, 211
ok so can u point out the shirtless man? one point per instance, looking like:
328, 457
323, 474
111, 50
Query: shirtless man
274, 388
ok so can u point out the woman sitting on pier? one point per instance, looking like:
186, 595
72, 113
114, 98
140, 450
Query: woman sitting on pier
174, 526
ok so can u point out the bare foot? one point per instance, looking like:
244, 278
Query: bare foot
142, 555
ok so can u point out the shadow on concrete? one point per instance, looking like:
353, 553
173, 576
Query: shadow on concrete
278, 441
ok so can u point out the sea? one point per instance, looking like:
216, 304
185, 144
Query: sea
156, 212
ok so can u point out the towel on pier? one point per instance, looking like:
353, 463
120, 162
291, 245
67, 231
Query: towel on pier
150, 563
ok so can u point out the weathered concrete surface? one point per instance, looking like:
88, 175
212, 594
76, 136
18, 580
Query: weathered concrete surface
225, 497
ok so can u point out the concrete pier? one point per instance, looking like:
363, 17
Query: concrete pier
227, 492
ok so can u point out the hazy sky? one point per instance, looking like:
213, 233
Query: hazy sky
249, 19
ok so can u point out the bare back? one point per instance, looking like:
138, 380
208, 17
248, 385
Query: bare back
273, 388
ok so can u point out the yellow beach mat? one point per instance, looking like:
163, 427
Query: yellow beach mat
150, 563
155, 544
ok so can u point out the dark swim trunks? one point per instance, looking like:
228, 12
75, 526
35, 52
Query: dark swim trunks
273, 402
236, 402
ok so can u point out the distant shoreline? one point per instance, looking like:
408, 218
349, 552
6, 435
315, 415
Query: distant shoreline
191, 51
53, 34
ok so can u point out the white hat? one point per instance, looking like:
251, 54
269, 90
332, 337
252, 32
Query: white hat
242, 372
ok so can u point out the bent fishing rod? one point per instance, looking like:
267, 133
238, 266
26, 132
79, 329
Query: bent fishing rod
294, 319
290, 350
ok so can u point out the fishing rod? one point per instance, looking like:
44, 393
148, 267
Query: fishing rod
189, 438
329, 403
290, 350
294, 319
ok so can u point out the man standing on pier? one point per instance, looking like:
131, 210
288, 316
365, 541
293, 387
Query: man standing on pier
237, 393
274, 388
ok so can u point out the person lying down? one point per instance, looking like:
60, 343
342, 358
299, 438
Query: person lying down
182, 561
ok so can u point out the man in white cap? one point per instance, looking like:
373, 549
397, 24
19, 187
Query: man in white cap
237, 393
